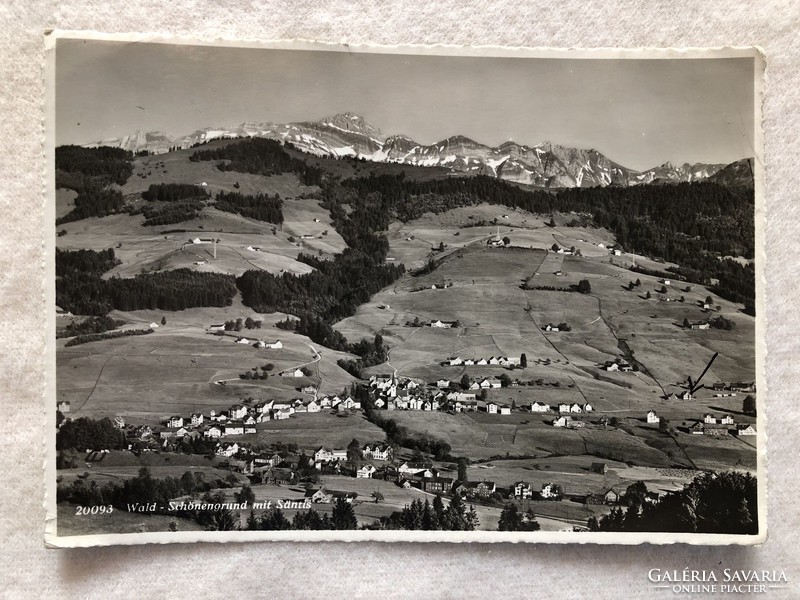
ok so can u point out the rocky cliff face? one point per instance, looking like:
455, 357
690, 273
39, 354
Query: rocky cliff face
544, 165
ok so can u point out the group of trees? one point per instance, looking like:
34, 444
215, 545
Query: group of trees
88, 434
342, 517
333, 291
248, 323
172, 192
109, 165
108, 335
173, 212
511, 519
432, 516
89, 326
260, 157
81, 289
721, 502
261, 207
89, 172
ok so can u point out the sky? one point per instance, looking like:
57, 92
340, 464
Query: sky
639, 113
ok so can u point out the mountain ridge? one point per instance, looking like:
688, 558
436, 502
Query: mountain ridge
546, 164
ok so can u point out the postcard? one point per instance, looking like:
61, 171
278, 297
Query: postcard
315, 292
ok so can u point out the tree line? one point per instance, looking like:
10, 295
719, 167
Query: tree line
432, 516
333, 291
261, 157
166, 214
261, 207
714, 502
89, 172
84, 433
81, 289
172, 192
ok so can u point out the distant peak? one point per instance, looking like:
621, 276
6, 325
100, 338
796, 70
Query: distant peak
348, 121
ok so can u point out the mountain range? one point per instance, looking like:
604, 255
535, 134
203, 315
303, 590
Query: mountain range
543, 165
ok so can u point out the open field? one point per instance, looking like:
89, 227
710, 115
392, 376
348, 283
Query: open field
178, 368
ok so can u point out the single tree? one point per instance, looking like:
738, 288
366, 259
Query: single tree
462, 468
506, 241
163, 320
686, 323
343, 516
465, 381
245, 495
749, 405
523, 361
510, 519
647, 295
584, 287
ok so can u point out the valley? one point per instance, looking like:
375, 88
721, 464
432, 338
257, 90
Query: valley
550, 308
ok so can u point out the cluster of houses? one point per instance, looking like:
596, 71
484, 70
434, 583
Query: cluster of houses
503, 361
240, 419
721, 426
710, 425
392, 393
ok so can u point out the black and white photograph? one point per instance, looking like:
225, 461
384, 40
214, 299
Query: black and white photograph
308, 292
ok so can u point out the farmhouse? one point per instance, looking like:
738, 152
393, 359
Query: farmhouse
197, 419
312, 407
563, 408
432, 485
443, 383
715, 430
378, 452
652, 417
576, 408
551, 491
276, 345
175, 422
612, 496
213, 432
704, 325
505, 410
227, 449
710, 419
366, 472
563, 422
743, 429
491, 408
63, 406
233, 429
539, 407
443, 324
522, 489
295, 373
482, 489
237, 411
600, 467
